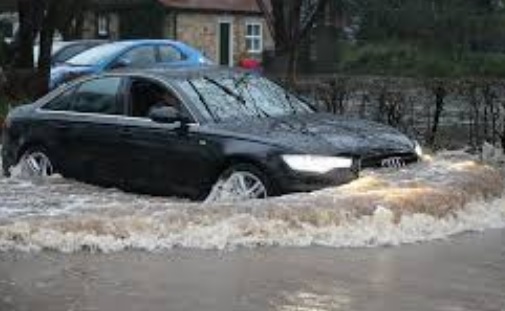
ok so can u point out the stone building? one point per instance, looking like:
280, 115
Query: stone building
222, 29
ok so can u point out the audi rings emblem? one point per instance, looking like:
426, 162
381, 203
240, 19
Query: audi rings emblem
395, 162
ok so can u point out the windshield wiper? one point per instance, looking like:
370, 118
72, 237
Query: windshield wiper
290, 102
204, 102
226, 89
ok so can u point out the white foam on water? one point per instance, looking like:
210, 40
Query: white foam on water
446, 195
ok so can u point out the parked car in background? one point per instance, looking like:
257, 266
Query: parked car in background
64, 50
127, 54
200, 132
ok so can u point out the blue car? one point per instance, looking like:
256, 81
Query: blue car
127, 54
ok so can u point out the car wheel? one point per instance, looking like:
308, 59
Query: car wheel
241, 182
35, 162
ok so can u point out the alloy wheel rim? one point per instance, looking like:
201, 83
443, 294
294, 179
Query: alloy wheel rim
238, 186
38, 164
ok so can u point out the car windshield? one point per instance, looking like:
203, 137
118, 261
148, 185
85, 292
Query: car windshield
95, 55
241, 96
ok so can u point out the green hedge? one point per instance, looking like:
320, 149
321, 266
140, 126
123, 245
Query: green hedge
396, 59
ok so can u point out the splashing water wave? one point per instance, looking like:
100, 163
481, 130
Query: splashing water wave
446, 195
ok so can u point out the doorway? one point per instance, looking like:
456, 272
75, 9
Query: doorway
225, 43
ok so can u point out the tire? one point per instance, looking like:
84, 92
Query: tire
36, 162
241, 182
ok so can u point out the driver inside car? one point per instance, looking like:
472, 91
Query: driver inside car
163, 99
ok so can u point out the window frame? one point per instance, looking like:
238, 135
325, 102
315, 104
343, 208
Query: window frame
253, 37
102, 25
196, 117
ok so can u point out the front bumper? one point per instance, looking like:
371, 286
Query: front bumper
308, 183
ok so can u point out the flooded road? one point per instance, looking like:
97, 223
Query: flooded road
65, 245
464, 273
447, 195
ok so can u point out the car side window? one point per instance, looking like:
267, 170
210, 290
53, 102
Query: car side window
140, 57
169, 54
62, 102
99, 96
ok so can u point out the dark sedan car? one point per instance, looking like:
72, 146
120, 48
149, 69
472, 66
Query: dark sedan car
205, 133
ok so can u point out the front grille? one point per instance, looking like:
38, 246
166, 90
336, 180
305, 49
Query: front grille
380, 160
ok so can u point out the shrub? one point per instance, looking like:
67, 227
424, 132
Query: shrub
399, 59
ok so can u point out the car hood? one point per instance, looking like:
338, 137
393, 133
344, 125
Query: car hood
322, 133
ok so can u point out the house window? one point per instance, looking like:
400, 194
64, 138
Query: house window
6, 29
254, 38
103, 25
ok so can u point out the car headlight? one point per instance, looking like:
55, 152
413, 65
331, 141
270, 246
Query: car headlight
316, 164
418, 149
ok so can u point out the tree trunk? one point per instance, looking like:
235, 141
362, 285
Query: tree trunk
46, 42
23, 57
293, 59
440, 94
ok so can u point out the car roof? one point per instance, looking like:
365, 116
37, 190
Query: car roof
128, 43
83, 41
182, 72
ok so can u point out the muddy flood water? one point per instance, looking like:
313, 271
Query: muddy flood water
426, 237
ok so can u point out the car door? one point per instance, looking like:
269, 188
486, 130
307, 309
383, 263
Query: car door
83, 126
178, 160
94, 132
54, 130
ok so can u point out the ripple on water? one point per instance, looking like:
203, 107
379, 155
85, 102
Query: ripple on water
445, 195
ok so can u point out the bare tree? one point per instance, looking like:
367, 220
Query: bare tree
39, 18
290, 21
29, 24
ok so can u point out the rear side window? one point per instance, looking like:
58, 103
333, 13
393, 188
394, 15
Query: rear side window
62, 102
141, 56
69, 52
169, 54
99, 96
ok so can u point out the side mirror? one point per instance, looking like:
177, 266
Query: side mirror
121, 63
167, 115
